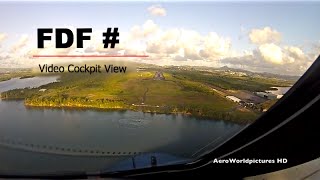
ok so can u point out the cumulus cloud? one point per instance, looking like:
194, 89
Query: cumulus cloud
172, 41
149, 27
158, 47
315, 50
265, 35
293, 54
271, 52
139, 32
21, 43
157, 10
215, 46
180, 46
3, 36
187, 44
289, 60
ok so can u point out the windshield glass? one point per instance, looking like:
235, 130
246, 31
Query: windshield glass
168, 83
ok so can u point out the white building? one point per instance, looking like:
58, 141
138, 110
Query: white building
42, 90
279, 96
233, 98
266, 95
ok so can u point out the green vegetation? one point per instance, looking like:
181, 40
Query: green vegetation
182, 91
27, 76
7, 74
18, 93
266, 105
232, 82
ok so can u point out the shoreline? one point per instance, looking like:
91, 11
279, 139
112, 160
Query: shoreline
142, 109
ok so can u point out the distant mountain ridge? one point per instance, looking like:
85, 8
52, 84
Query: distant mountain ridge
265, 74
249, 73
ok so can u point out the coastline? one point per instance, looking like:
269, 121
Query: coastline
144, 109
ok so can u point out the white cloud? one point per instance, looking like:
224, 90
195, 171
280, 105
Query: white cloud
3, 36
149, 27
138, 32
215, 46
265, 35
271, 52
177, 43
170, 42
157, 10
295, 52
21, 43
272, 58
179, 46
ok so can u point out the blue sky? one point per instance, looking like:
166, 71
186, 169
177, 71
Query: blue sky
297, 22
